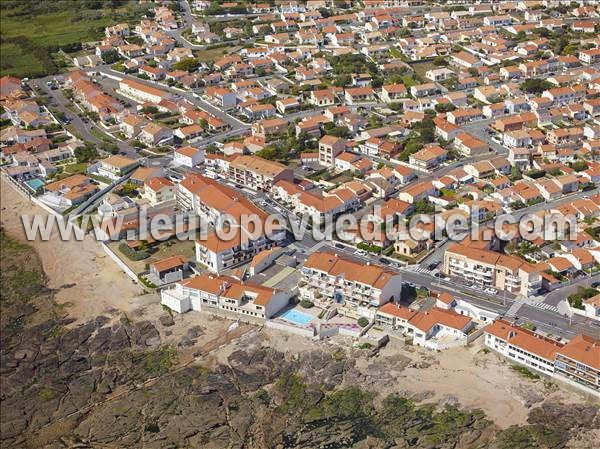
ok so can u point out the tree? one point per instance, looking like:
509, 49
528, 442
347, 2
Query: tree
342, 80
447, 107
187, 65
86, 153
440, 61
579, 166
111, 57
535, 85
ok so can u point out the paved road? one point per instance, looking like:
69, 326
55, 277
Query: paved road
192, 98
82, 128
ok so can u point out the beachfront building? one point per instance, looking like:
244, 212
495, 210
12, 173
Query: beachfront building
210, 293
576, 362
328, 278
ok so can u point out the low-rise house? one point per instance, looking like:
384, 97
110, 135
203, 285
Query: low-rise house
188, 156
393, 92
114, 167
359, 95
270, 127
72, 190
189, 132
424, 90
469, 145
437, 329
155, 134
428, 158
169, 270
208, 293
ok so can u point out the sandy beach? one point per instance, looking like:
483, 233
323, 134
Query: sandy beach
83, 277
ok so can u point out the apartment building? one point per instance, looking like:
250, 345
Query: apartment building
576, 362
328, 278
236, 244
257, 173
522, 345
140, 92
159, 190
207, 292
329, 148
491, 269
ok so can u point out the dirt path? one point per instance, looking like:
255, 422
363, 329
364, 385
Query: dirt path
86, 281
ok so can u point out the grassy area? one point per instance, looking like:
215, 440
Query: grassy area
214, 54
15, 61
421, 68
34, 29
524, 372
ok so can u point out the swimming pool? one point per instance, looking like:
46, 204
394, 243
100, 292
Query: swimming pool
34, 184
297, 317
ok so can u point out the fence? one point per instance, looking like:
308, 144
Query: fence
304, 332
128, 271
475, 335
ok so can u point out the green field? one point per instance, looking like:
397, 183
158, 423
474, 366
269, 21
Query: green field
31, 30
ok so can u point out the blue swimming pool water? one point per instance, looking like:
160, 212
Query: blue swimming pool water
35, 184
297, 317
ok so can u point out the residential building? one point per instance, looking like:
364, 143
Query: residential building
491, 269
330, 147
209, 293
257, 173
330, 278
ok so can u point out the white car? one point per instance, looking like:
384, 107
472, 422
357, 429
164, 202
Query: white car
360, 252
491, 291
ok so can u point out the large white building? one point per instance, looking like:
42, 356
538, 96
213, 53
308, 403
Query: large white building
577, 362
141, 92
207, 293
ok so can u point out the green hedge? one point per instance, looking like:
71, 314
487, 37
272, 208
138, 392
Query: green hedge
133, 254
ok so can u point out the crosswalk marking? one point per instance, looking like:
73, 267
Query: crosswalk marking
542, 305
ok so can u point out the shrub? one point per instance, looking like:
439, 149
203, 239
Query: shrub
133, 254
305, 303
362, 321
525, 372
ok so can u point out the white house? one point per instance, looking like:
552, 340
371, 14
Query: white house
188, 156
